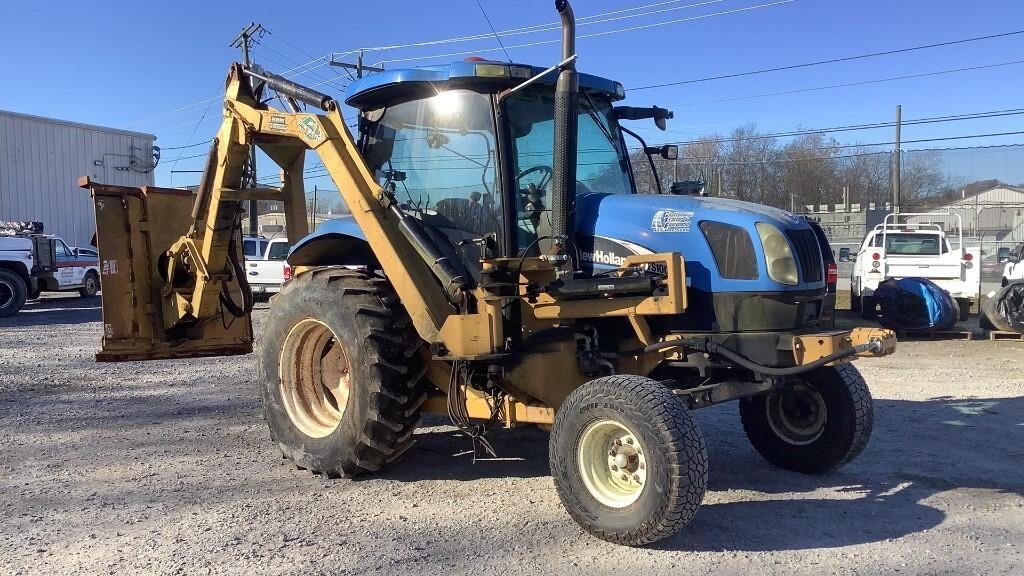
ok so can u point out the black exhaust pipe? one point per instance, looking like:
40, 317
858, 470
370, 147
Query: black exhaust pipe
563, 183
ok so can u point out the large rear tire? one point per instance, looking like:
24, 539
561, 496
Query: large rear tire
13, 292
341, 373
815, 424
628, 461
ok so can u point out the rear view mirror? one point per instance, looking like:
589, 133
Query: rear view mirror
668, 151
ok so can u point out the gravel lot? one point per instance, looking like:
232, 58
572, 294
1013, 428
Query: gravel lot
166, 468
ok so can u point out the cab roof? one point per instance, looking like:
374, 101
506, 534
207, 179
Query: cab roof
383, 88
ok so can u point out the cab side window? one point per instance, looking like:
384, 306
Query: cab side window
61, 250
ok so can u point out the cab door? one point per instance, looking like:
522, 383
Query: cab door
69, 272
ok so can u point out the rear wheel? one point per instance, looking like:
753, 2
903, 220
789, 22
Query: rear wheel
815, 424
628, 461
965, 308
13, 292
867, 307
90, 285
341, 371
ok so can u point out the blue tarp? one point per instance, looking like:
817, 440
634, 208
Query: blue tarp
915, 304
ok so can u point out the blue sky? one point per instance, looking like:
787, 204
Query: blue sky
152, 66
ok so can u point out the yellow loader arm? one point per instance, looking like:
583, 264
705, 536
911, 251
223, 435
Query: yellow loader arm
171, 276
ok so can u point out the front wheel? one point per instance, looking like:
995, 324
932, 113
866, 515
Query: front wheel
628, 461
13, 292
90, 285
814, 424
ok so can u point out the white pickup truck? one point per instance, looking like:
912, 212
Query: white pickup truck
902, 250
267, 270
33, 263
1014, 269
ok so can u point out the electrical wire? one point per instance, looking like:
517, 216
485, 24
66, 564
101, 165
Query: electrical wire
856, 127
595, 34
491, 26
550, 26
829, 61
851, 84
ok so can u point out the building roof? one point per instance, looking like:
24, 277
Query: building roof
59, 122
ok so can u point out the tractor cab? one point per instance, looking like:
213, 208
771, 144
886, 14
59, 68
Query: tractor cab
469, 154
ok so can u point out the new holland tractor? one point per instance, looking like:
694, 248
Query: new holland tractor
499, 268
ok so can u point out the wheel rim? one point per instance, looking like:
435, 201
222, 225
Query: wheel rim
6, 294
90, 284
612, 463
797, 414
315, 378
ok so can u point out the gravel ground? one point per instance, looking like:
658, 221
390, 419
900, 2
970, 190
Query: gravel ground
166, 468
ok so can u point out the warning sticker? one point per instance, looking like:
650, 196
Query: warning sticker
278, 124
671, 221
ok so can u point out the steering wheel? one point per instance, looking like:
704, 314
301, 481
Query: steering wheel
548, 172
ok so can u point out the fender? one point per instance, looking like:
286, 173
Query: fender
336, 242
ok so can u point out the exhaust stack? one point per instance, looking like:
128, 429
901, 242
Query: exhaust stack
563, 184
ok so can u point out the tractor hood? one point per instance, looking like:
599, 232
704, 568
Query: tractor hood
613, 226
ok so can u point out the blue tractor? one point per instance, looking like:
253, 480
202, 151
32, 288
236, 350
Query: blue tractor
500, 268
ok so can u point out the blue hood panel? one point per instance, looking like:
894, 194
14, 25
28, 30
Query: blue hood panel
632, 223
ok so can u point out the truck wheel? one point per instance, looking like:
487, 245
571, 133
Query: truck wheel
90, 285
628, 461
13, 292
341, 373
820, 421
867, 307
965, 308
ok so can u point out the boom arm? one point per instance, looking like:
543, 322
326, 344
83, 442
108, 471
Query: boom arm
192, 283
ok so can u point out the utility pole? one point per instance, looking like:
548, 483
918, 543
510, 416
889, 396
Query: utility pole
896, 160
358, 66
244, 41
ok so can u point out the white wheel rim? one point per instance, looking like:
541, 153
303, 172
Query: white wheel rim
315, 378
797, 414
612, 463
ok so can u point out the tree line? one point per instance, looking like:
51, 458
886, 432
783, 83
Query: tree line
810, 169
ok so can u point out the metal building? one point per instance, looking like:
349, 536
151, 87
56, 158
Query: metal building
41, 160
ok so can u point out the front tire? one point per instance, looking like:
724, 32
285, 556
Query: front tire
90, 285
818, 422
13, 292
340, 370
628, 461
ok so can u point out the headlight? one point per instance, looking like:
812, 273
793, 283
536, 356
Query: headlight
778, 256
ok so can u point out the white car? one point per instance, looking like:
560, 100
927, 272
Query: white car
1014, 269
903, 250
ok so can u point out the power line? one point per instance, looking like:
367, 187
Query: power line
491, 26
551, 26
868, 126
830, 61
596, 34
164, 148
851, 84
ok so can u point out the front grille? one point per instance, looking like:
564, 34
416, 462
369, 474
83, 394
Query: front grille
808, 254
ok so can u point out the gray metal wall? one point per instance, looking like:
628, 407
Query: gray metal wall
41, 160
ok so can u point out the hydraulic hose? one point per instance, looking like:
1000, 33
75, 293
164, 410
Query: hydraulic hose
705, 345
